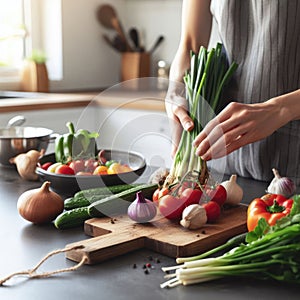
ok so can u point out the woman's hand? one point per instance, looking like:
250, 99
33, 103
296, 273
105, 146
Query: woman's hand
176, 108
195, 31
236, 126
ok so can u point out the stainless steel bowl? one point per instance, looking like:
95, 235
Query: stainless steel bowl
16, 140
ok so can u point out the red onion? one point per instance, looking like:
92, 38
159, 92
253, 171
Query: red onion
141, 210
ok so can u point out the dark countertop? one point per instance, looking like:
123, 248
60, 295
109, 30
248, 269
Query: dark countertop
23, 245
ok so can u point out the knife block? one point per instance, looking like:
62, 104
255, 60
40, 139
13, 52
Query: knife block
135, 65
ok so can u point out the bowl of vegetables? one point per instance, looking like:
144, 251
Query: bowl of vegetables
78, 164
109, 167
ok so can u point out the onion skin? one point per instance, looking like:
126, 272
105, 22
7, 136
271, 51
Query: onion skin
40, 205
141, 210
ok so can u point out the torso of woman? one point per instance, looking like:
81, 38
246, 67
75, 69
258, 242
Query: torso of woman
263, 37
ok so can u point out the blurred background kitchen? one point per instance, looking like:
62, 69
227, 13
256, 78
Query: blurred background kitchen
71, 37
71, 63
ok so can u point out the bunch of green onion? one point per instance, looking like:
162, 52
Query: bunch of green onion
265, 253
209, 72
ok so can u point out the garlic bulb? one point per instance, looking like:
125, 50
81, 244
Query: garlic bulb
193, 216
281, 185
141, 210
26, 164
40, 205
233, 190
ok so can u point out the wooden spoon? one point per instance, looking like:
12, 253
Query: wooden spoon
107, 16
159, 40
134, 35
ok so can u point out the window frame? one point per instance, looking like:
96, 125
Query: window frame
37, 20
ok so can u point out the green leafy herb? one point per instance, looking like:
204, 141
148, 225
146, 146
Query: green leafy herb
268, 252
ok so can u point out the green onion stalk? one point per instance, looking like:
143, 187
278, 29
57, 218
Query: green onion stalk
272, 254
204, 82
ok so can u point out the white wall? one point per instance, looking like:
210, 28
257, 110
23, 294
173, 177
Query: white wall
88, 62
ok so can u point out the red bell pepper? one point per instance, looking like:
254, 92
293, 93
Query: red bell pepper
272, 207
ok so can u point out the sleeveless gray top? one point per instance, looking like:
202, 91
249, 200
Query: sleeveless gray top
263, 37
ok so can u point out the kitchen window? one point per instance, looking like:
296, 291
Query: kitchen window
27, 25
12, 36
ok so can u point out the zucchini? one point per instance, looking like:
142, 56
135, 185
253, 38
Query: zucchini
88, 196
72, 218
112, 205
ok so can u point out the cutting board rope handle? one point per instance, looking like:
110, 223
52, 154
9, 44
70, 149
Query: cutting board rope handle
31, 273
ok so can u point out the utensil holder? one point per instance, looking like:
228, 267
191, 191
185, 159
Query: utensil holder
135, 65
34, 77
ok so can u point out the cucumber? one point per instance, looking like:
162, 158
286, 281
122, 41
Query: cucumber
117, 204
86, 197
114, 189
112, 205
72, 218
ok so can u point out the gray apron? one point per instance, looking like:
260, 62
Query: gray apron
263, 37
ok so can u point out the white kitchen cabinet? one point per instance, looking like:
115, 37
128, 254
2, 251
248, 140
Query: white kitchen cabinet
137, 130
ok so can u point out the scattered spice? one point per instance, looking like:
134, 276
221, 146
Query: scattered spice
147, 266
203, 232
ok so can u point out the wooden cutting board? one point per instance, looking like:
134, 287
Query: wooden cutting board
120, 235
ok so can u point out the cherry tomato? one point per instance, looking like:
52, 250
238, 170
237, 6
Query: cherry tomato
158, 193
64, 169
217, 194
77, 165
90, 165
213, 211
155, 195
46, 165
110, 162
191, 196
100, 170
114, 168
126, 168
53, 167
171, 207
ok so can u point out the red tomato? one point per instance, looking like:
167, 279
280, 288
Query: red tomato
217, 194
46, 165
213, 211
77, 165
171, 207
64, 169
90, 165
191, 196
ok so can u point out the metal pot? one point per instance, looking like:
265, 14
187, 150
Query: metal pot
16, 140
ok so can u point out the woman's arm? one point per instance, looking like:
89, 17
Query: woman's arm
195, 32
241, 124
